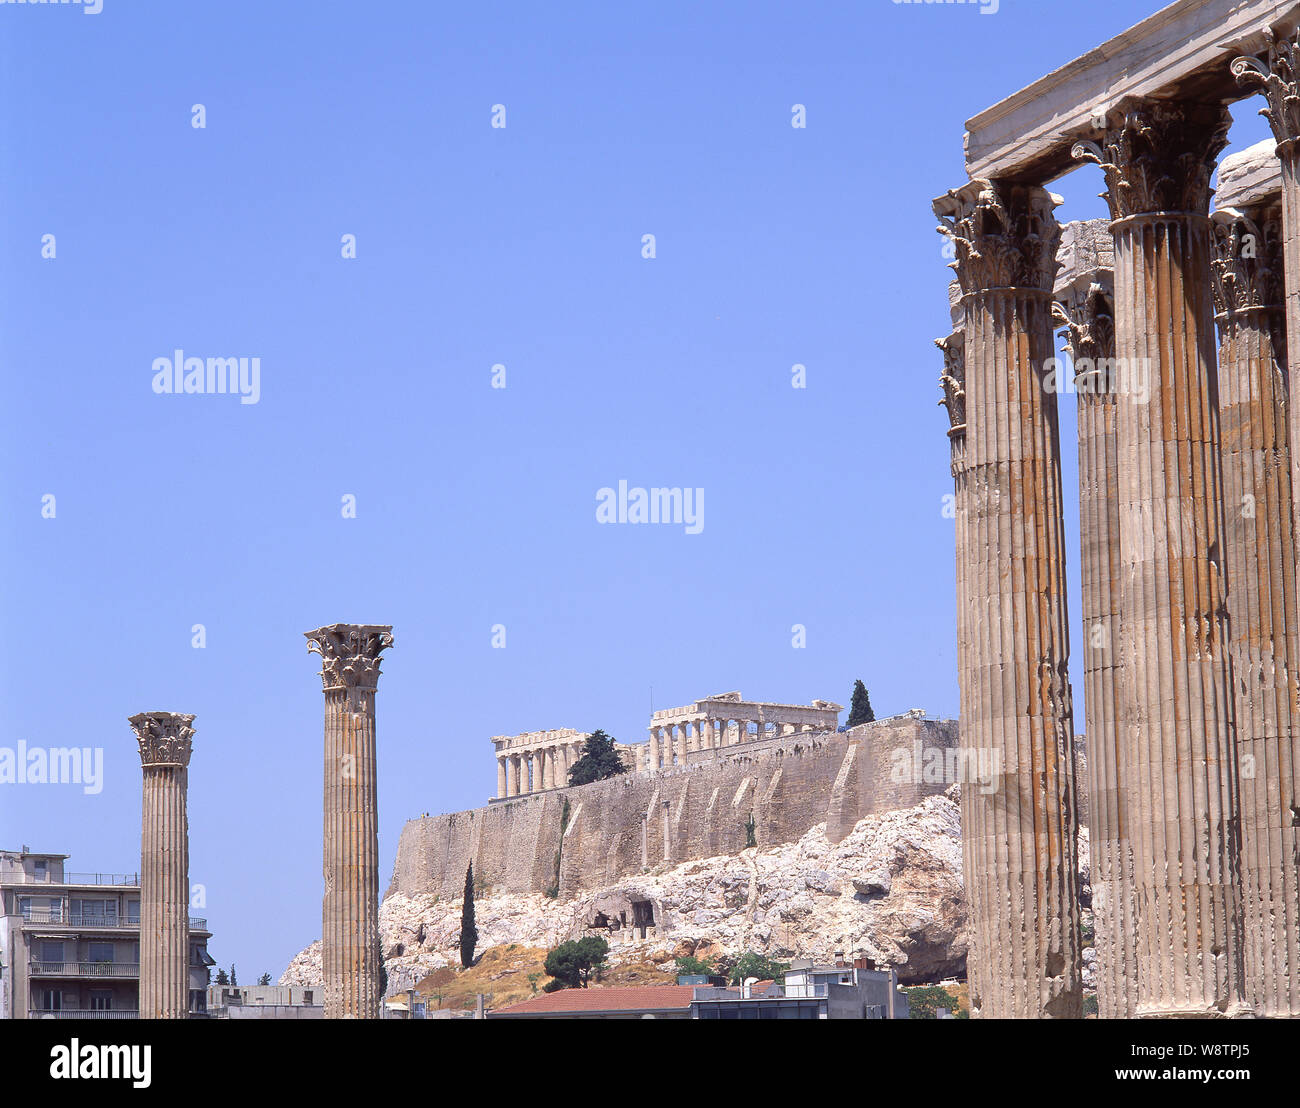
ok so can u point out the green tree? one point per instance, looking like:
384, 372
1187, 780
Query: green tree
599, 760
573, 963
694, 967
860, 706
468, 929
223, 978
924, 1002
761, 966
265, 979
233, 979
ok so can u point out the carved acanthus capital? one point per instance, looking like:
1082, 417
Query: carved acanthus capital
1087, 318
953, 380
164, 738
1277, 76
1004, 235
349, 653
1159, 156
1247, 263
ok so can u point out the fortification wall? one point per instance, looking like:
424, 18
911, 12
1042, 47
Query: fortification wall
624, 825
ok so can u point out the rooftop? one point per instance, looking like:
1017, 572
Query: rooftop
632, 998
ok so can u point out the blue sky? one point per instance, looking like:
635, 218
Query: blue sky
475, 506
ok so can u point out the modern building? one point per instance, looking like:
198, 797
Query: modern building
266, 1002
70, 942
838, 990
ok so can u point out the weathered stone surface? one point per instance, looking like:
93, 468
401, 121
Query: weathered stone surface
1249, 176
800, 899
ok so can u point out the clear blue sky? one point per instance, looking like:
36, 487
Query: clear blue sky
475, 506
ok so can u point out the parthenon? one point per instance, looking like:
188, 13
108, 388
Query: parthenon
725, 720
1188, 516
536, 760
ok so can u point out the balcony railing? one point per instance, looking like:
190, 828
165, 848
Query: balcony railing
86, 969
82, 1014
127, 879
75, 919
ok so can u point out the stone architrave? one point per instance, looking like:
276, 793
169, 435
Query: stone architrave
352, 965
165, 740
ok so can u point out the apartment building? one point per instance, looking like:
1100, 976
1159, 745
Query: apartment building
70, 942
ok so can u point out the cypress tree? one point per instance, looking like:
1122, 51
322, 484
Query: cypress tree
860, 706
468, 929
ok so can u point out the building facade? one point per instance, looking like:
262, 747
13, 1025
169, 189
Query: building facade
70, 942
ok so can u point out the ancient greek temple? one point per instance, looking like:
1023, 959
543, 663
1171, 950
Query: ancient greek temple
1188, 506
536, 760
725, 720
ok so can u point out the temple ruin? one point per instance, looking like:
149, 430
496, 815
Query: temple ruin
1188, 515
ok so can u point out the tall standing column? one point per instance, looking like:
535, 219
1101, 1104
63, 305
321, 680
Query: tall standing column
1261, 560
1020, 838
681, 744
1085, 305
501, 777
1278, 77
1179, 735
165, 740
350, 952
654, 750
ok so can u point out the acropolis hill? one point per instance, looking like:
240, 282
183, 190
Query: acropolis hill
711, 782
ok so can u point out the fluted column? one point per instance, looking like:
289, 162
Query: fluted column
1177, 719
1261, 565
1022, 879
681, 744
165, 740
654, 750
501, 777
350, 952
1085, 305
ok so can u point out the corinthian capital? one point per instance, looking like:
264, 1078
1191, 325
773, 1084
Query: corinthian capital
1004, 235
1247, 262
953, 380
164, 738
1158, 156
1276, 76
349, 653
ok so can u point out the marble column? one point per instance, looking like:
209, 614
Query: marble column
1085, 306
654, 750
352, 966
1177, 717
1020, 837
512, 775
501, 777
1261, 565
681, 744
165, 741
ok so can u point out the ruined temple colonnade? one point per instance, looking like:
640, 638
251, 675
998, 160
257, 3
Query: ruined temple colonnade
535, 761
1177, 322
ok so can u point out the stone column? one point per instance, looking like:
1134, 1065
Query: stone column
350, 954
501, 777
681, 744
1085, 306
1261, 565
165, 740
1177, 718
654, 750
1020, 838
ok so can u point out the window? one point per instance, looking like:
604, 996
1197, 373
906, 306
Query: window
101, 1000
51, 1000
99, 952
40, 869
132, 911
51, 952
306, 996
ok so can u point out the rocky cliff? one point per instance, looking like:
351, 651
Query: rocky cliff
892, 887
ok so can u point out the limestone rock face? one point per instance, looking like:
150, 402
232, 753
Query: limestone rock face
891, 888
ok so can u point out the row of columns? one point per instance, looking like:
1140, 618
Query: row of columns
531, 771
1189, 574
671, 743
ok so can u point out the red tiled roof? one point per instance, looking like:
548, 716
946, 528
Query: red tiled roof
631, 998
